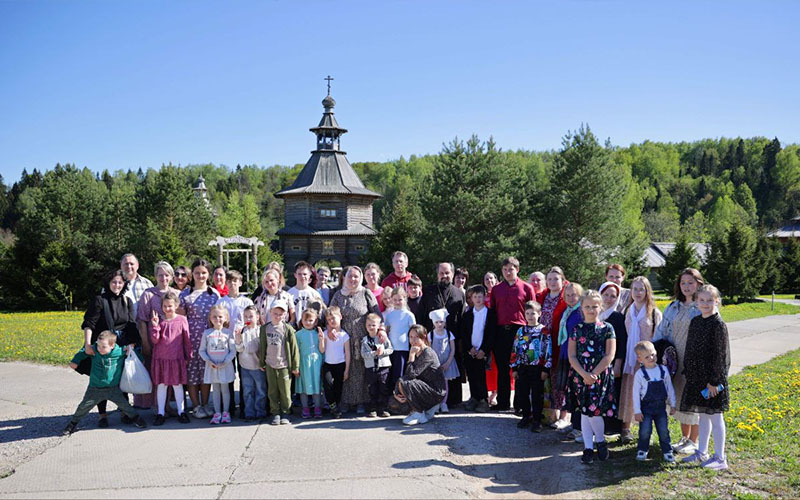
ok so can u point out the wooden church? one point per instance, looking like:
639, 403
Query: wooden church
328, 211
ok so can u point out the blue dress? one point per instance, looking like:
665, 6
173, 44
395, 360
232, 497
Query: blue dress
309, 381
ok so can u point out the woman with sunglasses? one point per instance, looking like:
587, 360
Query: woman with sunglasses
182, 277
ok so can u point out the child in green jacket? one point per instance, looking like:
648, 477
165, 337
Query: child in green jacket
279, 356
107, 363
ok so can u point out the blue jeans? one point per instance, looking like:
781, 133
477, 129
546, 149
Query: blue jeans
657, 416
254, 384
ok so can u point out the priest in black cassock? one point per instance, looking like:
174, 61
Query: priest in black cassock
445, 295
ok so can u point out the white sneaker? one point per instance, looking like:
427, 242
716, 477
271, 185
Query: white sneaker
443, 408
641, 456
200, 412
562, 424
680, 446
690, 447
415, 418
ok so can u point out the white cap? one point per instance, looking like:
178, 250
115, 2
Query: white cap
438, 315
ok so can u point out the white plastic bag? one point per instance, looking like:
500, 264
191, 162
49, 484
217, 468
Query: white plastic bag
135, 379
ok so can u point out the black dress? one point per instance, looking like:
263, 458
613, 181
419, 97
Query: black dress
423, 383
707, 360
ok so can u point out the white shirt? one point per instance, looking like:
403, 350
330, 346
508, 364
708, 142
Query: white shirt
478, 326
302, 298
136, 288
334, 349
235, 309
640, 386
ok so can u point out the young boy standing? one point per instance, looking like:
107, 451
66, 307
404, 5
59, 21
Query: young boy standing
107, 363
302, 293
531, 359
377, 363
235, 303
414, 302
652, 387
477, 332
278, 355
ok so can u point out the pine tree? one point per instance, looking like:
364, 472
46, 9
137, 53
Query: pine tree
472, 206
681, 257
733, 264
583, 228
790, 267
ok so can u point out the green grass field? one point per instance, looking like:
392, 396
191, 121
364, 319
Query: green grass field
747, 310
44, 337
763, 446
778, 296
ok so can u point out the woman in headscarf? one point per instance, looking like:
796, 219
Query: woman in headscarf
355, 302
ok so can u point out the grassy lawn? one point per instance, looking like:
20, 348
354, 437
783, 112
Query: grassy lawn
45, 337
763, 446
747, 310
778, 296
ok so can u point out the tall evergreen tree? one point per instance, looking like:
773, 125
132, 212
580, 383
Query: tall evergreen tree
580, 212
681, 257
733, 263
472, 206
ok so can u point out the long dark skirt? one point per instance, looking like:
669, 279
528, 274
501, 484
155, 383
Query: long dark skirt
420, 395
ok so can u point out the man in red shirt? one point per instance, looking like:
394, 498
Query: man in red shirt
401, 274
508, 302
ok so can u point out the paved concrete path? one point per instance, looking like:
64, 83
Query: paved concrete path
755, 341
457, 455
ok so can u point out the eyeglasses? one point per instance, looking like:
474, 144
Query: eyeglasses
181, 274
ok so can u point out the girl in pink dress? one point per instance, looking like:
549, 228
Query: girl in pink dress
172, 348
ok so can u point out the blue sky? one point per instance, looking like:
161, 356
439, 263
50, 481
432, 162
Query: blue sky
121, 85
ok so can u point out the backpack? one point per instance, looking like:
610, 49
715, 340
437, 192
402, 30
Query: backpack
667, 355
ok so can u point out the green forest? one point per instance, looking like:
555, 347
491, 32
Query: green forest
580, 206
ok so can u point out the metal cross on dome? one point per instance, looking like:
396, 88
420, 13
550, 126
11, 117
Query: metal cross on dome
329, 83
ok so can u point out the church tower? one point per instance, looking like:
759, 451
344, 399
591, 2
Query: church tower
328, 211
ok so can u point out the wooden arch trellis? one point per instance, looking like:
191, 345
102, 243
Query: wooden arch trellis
224, 254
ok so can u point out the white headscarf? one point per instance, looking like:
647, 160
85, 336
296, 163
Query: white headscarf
608, 312
346, 290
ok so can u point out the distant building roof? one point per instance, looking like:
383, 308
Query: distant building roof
327, 172
297, 229
655, 255
790, 230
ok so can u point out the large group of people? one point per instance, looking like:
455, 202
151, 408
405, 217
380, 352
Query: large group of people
595, 360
